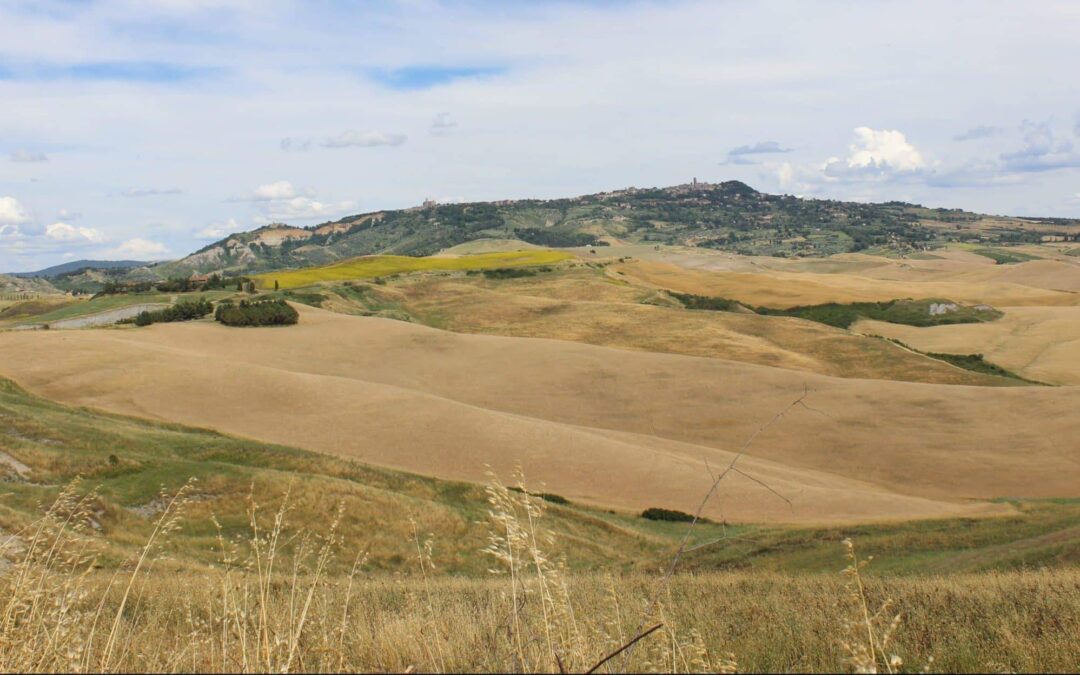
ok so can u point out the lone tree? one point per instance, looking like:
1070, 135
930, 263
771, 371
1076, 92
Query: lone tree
276, 285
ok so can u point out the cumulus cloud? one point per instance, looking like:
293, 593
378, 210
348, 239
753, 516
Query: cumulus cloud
269, 192
443, 125
26, 156
975, 133
139, 248
215, 232
303, 208
69, 234
150, 192
367, 139
874, 156
12, 212
1042, 150
281, 200
878, 151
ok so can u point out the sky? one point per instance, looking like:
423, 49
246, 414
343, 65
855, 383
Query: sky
133, 129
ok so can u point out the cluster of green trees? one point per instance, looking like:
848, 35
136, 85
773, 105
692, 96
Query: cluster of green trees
511, 272
273, 312
556, 239
842, 315
670, 515
176, 285
181, 311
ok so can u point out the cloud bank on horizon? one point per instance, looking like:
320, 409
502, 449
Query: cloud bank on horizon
146, 129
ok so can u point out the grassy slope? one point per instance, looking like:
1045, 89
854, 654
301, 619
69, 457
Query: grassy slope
131, 460
585, 304
46, 314
380, 266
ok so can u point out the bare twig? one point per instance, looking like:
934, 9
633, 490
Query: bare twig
764, 485
620, 650
799, 402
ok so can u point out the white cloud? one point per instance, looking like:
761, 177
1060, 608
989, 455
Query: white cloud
442, 125
139, 249
874, 156
12, 212
281, 200
62, 232
215, 232
268, 192
304, 208
26, 156
368, 139
882, 150
150, 192
65, 214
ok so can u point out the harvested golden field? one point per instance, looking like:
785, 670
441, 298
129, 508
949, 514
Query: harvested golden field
780, 289
1040, 343
617, 428
586, 305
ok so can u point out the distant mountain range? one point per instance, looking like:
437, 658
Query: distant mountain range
729, 215
79, 265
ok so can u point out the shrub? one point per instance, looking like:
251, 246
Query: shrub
181, 311
656, 513
542, 237
509, 273
274, 312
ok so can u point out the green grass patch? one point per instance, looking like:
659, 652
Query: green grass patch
973, 362
922, 313
1003, 256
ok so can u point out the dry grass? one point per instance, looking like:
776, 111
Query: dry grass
585, 305
1040, 343
409, 397
259, 611
780, 284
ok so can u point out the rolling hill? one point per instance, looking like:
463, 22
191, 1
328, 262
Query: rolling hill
729, 216
79, 265
601, 426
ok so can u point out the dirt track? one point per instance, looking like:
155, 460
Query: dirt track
104, 318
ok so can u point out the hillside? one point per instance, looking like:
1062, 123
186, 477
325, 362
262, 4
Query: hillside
730, 216
78, 265
13, 285
413, 398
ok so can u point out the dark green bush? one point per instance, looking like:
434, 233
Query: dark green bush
656, 513
182, 311
274, 312
542, 237
510, 273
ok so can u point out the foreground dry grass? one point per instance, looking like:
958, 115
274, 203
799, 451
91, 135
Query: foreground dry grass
263, 610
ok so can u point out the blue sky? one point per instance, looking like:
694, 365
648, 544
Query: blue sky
147, 129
